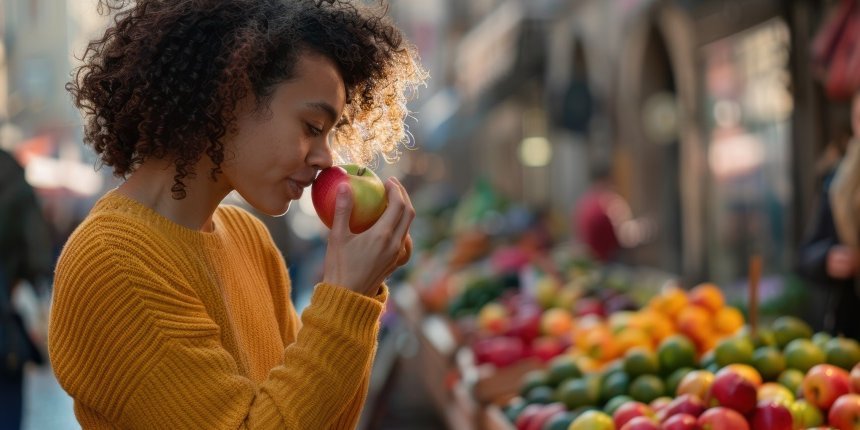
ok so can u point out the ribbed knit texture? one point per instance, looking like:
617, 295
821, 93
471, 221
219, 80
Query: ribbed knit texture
157, 326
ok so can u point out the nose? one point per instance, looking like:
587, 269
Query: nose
320, 156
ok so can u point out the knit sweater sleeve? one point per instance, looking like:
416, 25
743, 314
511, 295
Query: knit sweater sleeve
129, 341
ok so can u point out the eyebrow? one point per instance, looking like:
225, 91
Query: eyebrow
325, 108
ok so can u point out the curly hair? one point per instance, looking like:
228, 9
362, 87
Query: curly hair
165, 79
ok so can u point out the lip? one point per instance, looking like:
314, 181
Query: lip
296, 188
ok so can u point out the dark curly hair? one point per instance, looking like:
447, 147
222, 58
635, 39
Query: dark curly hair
165, 79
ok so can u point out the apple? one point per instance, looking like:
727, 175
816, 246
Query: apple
545, 414
698, 383
592, 420
684, 404
630, 410
368, 195
775, 392
805, 414
845, 412
527, 415
641, 423
546, 348
855, 378
681, 422
824, 383
734, 391
770, 415
720, 418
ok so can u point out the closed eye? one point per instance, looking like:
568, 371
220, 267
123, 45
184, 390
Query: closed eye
313, 130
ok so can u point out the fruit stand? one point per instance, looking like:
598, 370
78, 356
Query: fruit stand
514, 339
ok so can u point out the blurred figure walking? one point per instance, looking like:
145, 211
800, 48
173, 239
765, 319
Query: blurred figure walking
26, 258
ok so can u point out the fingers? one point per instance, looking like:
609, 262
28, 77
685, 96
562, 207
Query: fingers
405, 251
342, 211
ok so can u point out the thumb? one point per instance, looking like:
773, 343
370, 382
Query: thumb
342, 210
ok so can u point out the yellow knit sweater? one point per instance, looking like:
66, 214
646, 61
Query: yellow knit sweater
156, 326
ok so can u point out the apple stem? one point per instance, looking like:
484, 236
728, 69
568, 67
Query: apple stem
361, 171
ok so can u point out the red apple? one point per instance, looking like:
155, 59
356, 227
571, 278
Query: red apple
771, 415
542, 416
527, 415
683, 404
720, 418
630, 410
368, 195
680, 422
546, 348
641, 423
824, 383
845, 412
855, 379
734, 391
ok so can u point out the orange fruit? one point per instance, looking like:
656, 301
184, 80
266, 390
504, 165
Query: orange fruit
632, 338
707, 295
695, 323
556, 322
728, 320
670, 301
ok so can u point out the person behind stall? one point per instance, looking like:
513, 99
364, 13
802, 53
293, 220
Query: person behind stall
25, 259
828, 255
603, 220
172, 310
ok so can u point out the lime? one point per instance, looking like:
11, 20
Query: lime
561, 368
733, 350
646, 388
802, 354
675, 378
791, 379
614, 403
512, 411
676, 352
614, 384
821, 338
788, 328
542, 394
559, 421
843, 352
534, 378
578, 392
640, 361
769, 362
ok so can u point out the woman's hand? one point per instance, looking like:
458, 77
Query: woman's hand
361, 262
841, 262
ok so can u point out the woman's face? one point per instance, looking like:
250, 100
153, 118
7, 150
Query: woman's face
274, 155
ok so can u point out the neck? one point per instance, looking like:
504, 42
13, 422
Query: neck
151, 184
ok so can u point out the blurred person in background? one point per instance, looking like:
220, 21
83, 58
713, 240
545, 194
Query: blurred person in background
829, 254
25, 259
603, 220
172, 310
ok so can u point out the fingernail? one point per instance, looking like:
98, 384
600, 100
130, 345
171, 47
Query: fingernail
342, 189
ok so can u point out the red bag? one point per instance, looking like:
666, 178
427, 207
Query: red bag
836, 51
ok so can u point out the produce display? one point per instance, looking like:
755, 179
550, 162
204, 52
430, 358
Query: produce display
781, 377
619, 347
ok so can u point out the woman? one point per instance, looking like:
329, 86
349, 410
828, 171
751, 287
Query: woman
173, 311
829, 255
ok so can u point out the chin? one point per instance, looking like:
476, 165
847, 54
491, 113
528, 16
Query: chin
270, 207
